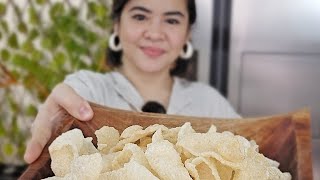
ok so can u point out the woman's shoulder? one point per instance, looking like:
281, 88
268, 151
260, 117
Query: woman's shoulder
206, 100
93, 86
197, 87
89, 77
88, 74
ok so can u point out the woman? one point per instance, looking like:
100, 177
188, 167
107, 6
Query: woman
149, 47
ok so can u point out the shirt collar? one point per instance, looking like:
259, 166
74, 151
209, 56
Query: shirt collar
127, 91
179, 98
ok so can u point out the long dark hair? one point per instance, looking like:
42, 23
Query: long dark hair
114, 58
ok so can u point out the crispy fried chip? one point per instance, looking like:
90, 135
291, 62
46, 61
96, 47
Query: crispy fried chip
107, 137
131, 171
88, 147
130, 152
158, 152
202, 168
225, 172
185, 130
61, 161
171, 134
87, 167
129, 131
64, 149
212, 129
138, 134
257, 166
231, 148
143, 142
165, 161
107, 161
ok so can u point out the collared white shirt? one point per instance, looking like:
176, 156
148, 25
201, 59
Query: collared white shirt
112, 89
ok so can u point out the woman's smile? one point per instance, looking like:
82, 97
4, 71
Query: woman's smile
152, 52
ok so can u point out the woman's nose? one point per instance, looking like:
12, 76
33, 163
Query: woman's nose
154, 31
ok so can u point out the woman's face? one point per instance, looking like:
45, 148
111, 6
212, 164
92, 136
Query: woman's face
152, 33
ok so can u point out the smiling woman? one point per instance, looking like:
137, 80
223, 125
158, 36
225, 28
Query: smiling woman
150, 46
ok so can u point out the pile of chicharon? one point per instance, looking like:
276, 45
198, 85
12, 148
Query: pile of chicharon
158, 152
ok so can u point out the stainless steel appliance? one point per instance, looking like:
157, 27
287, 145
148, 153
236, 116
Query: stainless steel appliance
274, 63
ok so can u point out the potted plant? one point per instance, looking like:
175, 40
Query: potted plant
41, 42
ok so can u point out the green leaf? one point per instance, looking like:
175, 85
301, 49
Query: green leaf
56, 10
55, 39
31, 110
21, 61
13, 105
32, 34
74, 47
14, 126
8, 149
22, 149
4, 26
91, 9
22, 27
13, 41
58, 61
50, 40
34, 18
86, 34
46, 43
74, 12
101, 11
3, 9
40, 2
37, 55
66, 24
5, 54
28, 46
101, 23
97, 10
3, 131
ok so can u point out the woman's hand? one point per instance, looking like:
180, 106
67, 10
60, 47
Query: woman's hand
61, 98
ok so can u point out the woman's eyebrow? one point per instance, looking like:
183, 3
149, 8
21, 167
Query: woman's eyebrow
169, 13
174, 13
140, 8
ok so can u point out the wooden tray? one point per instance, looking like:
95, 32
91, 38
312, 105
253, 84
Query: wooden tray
285, 138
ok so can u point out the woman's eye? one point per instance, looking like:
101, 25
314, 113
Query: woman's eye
173, 21
139, 17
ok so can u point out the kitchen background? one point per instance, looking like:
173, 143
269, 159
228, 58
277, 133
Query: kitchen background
264, 56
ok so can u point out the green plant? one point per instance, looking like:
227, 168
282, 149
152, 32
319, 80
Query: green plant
55, 39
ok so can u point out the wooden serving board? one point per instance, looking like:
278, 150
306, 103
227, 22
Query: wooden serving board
284, 138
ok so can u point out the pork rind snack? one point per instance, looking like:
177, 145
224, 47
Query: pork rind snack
158, 152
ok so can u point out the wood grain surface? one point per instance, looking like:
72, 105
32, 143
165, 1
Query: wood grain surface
285, 138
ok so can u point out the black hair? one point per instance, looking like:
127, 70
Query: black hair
114, 58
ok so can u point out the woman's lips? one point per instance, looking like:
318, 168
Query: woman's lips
153, 51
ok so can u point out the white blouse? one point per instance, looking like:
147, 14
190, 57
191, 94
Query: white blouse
112, 89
